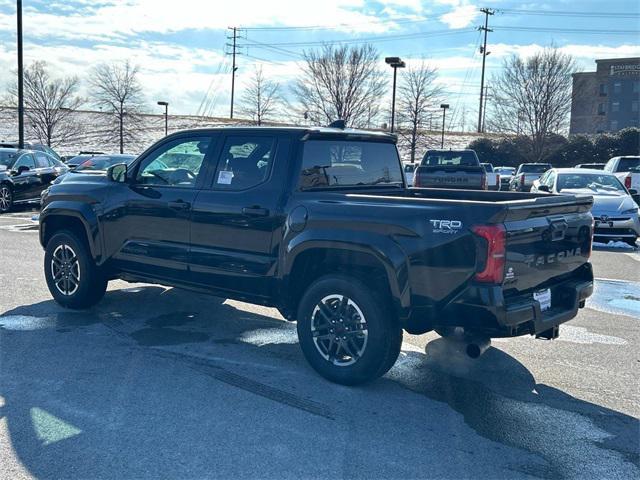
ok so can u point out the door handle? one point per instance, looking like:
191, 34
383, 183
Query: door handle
179, 205
255, 211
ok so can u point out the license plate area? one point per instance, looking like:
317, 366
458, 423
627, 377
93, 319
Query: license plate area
544, 298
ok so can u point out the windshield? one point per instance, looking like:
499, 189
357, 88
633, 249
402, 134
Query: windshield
572, 181
333, 163
436, 158
7, 158
629, 164
535, 168
103, 162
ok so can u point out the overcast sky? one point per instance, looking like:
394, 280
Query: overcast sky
180, 45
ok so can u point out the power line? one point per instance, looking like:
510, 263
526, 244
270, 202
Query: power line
566, 30
565, 13
386, 38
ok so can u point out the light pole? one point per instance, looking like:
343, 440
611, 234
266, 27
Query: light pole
166, 117
395, 63
444, 107
20, 77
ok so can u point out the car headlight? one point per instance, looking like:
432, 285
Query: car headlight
631, 211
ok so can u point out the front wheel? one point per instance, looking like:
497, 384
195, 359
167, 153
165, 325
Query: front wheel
6, 198
347, 333
72, 276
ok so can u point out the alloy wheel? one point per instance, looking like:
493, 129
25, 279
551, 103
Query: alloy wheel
65, 270
339, 330
5, 199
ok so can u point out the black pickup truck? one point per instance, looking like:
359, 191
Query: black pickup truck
458, 169
319, 223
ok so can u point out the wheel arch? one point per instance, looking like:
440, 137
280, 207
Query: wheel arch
76, 219
308, 260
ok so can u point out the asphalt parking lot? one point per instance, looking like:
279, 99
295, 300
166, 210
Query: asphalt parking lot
156, 382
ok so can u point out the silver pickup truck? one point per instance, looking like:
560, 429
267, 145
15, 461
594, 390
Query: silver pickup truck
527, 173
459, 169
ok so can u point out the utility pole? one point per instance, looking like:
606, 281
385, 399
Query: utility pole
233, 67
483, 50
484, 109
20, 78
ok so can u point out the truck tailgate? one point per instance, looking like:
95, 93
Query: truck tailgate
459, 176
546, 242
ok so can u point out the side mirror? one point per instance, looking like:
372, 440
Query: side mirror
117, 173
22, 169
544, 188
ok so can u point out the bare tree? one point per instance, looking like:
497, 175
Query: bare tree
340, 83
533, 97
261, 98
417, 95
116, 88
49, 104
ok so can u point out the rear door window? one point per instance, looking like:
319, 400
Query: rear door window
245, 162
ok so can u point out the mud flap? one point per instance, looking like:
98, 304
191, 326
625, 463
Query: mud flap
552, 333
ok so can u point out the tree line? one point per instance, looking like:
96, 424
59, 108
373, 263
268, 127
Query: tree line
562, 151
531, 99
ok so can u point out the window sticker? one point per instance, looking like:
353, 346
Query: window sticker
225, 177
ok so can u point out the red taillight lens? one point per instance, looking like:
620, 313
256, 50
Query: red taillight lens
483, 184
627, 181
495, 236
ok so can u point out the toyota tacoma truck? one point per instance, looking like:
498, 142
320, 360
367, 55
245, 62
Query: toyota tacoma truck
319, 223
457, 169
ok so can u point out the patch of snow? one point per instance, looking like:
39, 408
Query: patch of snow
572, 334
26, 322
613, 244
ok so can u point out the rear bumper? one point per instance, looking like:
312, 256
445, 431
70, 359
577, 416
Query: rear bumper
485, 310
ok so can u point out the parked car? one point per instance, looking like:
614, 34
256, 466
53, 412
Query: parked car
614, 210
319, 223
459, 169
409, 172
76, 160
97, 164
627, 169
506, 173
591, 166
493, 177
38, 147
24, 174
526, 174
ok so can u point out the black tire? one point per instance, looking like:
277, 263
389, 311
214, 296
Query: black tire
6, 198
383, 332
91, 284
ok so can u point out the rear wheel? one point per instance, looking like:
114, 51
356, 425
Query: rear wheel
72, 277
346, 332
6, 198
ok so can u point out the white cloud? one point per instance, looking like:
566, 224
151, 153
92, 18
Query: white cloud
461, 16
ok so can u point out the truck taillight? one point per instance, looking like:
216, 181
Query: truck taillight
495, 236
483, 184
627, 181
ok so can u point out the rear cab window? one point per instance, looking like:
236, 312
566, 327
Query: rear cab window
438, 159
338, 163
